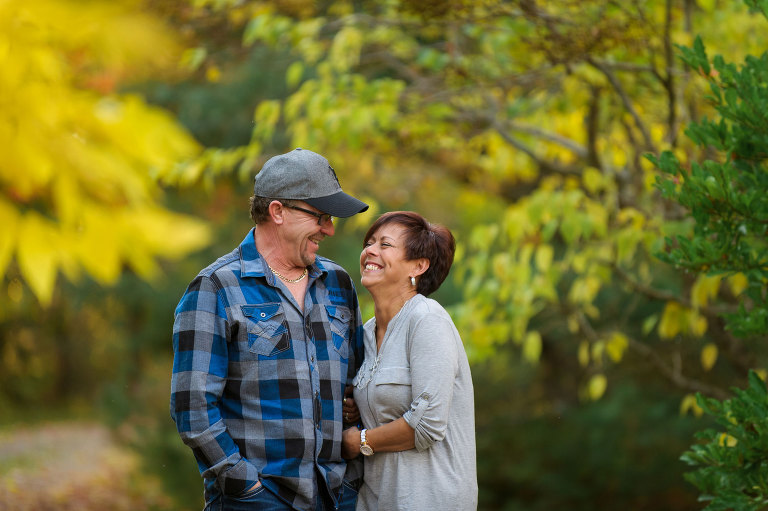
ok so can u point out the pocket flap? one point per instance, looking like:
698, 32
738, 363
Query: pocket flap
267, 331
393, 376
261, 317
340, 317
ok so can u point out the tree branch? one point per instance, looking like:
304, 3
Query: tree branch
666, 296
673, 372
546, 166
593, 129
669, 79
625, 100
576, 148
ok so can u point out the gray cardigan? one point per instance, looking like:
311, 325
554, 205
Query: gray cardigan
421, 374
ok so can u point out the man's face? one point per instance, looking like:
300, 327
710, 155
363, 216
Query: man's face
303, 234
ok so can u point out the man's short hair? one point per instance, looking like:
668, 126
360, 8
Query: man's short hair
260, 207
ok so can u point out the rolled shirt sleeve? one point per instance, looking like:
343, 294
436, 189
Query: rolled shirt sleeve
433, 355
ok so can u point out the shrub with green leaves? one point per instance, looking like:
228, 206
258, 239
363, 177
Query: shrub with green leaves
727, 194
732, 464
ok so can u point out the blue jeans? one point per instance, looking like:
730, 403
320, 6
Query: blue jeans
262, 499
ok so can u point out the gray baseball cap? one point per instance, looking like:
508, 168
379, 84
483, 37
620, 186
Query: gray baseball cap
307, 176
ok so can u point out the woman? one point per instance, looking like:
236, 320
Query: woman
414, 390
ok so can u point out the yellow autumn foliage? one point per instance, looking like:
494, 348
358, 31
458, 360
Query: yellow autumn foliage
709, 356
532, 346
677, 319
617, 345
596, 386
689, 403
671, 320
78, 173
704, 289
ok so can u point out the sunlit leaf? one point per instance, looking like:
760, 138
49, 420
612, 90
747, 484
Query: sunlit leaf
532, 346
738, 283
726, 440
616, 346
696, 323
704, 289
294, 74
544, 254
596, 387
38, 255
583, 356
584, 290
593, 180
671, 320
708, 356
689, 403
9, 221
649, 323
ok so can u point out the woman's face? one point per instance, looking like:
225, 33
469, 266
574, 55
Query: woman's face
382, 261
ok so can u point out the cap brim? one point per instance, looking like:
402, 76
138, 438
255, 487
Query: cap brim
339, 205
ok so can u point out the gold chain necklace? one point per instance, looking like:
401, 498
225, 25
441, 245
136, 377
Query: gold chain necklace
286, 279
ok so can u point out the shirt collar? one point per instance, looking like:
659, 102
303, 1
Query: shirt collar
252, 264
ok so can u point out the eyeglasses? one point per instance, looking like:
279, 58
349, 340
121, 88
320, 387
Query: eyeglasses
322, 218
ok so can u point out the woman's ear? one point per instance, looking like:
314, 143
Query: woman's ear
276, 211
421, 266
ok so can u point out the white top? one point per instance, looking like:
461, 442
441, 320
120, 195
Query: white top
421, 373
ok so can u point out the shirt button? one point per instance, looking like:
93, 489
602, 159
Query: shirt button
312, 358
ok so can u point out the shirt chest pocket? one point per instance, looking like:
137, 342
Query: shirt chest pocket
393, 393
267, 328
339, 318
393, 376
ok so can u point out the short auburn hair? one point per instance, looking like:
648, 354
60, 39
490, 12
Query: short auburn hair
433, 242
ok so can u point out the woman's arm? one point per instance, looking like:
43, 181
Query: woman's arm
391, 437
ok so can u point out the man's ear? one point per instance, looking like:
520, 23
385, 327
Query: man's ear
422, 265
276, 212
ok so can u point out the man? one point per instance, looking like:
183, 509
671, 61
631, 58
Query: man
265, 341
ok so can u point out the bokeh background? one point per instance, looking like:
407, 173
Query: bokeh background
131, 131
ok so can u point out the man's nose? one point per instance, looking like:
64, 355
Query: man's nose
328, 228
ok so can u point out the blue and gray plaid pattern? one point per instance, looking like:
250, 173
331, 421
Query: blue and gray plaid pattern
257, 385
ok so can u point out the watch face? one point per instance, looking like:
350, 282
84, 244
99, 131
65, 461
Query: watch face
366, 450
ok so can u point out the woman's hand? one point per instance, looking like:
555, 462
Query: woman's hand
350, 412
350, 443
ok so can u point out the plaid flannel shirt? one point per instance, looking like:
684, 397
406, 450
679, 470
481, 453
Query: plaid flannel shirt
257, 385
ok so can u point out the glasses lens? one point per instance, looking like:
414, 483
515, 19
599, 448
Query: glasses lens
321, 217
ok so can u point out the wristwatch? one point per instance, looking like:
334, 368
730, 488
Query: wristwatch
365, 448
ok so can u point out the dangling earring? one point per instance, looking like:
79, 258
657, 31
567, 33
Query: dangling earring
413, 281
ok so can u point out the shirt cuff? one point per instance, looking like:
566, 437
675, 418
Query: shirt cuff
413, 418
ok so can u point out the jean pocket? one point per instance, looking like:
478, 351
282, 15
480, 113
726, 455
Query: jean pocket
347, 497
267, 328
217, 504
250, 493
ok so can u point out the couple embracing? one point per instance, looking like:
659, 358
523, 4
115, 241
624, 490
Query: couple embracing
287, 400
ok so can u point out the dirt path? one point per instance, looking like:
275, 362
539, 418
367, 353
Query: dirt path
68, 467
